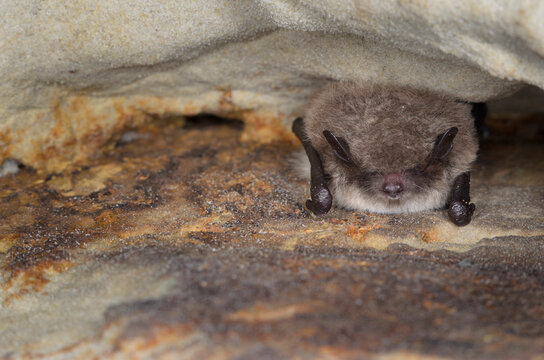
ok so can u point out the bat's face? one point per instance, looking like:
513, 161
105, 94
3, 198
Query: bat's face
390, 189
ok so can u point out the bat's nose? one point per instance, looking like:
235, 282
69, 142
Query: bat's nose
392, 189
392, 184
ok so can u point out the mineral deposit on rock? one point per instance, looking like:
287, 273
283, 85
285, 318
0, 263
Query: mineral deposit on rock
73, 75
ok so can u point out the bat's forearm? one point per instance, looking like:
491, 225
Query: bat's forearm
321, 197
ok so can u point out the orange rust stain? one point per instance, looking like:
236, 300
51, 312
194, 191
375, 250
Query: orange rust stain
359, 232
128, 115
56, 147
79, 105
143, 103
76, 134
338, 263
5, 141
148, 345
266, 129
91, 141
32, 279
51, 151
60, 120
259, 128
40, 158
306, 332
336, 221
432, 305
80, 131
122, 115
56, 107
191, 110
83, 222
158, 337
204, 228
225, 101
336, 352
256, 186
271, 312
7, 241
429, 236
106, 218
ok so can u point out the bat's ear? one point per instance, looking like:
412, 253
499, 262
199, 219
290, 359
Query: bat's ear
443, 145
340, 147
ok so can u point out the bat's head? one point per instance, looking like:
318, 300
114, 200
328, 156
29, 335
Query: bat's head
390, 149
394, 177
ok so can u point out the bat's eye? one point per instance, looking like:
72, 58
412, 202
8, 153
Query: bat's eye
416, 170
340, 147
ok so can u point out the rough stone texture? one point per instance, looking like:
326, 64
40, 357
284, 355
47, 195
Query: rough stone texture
183, 242
74, 75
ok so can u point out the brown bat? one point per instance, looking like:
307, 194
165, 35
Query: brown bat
388, 149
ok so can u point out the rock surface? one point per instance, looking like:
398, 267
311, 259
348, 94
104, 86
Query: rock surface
74, 75
183, 242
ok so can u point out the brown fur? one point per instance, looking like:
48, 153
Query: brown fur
389, 129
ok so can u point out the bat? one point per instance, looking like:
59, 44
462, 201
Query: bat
388, 149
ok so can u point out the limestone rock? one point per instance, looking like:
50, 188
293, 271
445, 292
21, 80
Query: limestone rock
185, 243
73, 75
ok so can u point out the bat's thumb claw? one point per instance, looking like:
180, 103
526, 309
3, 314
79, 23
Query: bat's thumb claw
316, 208
460, 213
321, 201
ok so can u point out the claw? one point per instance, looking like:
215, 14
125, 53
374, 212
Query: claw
460, 209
